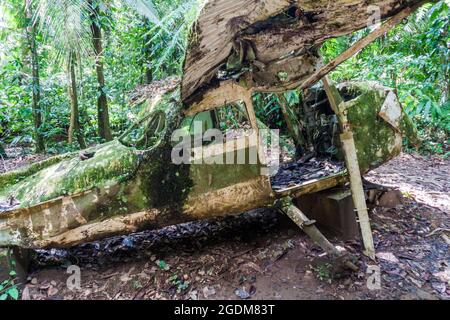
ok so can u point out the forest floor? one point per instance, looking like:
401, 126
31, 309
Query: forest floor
262, 255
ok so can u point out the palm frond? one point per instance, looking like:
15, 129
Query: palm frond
67, 23
145, 8
174, 28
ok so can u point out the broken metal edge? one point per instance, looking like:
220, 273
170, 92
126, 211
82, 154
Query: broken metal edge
314, 186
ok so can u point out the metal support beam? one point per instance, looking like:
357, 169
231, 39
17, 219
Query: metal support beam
286, 206
351, 160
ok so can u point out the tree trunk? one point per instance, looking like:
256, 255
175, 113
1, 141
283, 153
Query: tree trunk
104, 130
147, 53
75, 128
37, 112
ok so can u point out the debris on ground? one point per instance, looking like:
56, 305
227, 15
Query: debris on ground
19, 157
263, 255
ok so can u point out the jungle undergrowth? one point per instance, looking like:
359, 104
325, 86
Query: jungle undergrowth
8, 287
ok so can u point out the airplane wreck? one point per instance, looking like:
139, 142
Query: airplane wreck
236, 49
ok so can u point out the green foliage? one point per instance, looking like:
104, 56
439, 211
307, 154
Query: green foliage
267, 108
323, 271
413, 58
132, 43
162, 265
179, 283
170, 37
8, 287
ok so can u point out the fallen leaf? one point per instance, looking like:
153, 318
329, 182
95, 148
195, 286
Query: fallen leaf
387, 256
52, 291
242, 293
193, 295
207, 292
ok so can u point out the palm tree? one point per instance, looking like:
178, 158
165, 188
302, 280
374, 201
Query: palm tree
75, 127
104, 130
172, 30
74, 28
36, 94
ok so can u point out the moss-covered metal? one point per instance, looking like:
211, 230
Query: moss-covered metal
376, 141
10, 178
118, 189
65, 193
112, 162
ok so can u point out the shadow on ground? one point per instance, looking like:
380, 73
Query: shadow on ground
262, 255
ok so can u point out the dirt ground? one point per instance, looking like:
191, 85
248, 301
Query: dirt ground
262, 255
18, 158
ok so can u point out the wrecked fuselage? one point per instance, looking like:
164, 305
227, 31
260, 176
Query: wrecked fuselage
133, 183
175, 164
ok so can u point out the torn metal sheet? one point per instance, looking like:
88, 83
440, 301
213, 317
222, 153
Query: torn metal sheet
391, 111
274, 40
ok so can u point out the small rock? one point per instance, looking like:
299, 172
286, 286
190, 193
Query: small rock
207, 292
193, 295
34, 281
387, 256
242, 293
391, 199
52, 291
26, 294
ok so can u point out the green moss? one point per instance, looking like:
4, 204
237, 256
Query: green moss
13, 177
164, 183
112, 163
374, 138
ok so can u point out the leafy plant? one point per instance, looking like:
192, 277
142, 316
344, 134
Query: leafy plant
149, 43
323, 271
180, 284
414, 59
162, 265
8, 288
